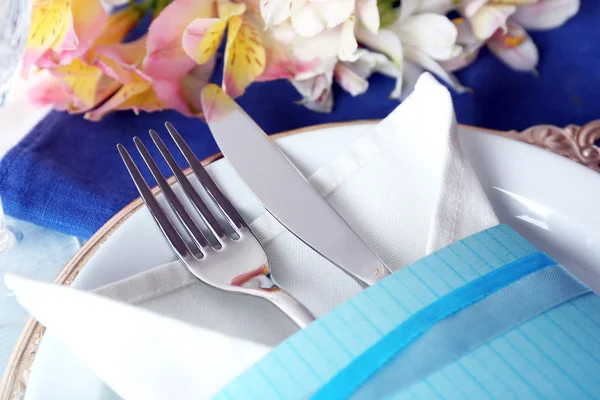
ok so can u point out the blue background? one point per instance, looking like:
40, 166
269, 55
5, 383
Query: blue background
67, 175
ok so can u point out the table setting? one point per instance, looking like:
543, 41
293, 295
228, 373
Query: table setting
314, 199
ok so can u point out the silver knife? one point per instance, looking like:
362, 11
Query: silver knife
285, 192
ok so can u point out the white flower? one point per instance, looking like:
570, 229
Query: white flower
323, 27
418, 38
315, 86
500, 25
415, 42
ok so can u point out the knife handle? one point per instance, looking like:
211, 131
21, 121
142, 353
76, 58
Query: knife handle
290, 306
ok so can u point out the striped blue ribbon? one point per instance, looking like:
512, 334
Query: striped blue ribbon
349, 379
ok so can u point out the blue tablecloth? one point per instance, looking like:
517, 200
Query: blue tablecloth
67, 175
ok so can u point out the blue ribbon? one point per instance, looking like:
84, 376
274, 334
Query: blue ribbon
361, 369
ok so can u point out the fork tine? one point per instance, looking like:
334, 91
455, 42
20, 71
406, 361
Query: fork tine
163, 222
187, 221
207, 216
228, 210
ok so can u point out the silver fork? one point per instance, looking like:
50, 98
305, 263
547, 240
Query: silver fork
237, 262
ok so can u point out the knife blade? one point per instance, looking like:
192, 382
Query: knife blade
285, 192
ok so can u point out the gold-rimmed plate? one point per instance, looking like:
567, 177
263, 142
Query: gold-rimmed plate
555, 215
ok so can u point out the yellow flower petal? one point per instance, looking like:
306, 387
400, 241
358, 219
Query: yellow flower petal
84, 89
130, 91
244, 56
166, 59
137, 95
76, 68
61, 31
81, 81
89, 17
50, 22
146, 101
202, 38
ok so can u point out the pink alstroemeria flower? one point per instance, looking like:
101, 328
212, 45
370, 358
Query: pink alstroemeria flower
251, 51
75, 88
61, 31
81, 85
141, 92
166, 58
111, 74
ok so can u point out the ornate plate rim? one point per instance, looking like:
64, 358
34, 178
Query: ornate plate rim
574, 142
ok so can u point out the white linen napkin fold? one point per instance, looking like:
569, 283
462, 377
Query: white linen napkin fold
404, 186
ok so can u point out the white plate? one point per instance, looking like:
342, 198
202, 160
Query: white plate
547, 198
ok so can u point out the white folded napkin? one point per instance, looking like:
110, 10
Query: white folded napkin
404, 187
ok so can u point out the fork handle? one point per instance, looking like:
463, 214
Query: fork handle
290, 307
